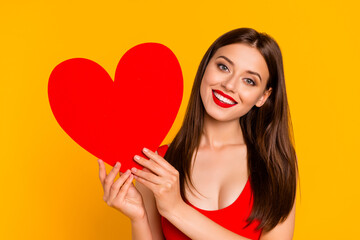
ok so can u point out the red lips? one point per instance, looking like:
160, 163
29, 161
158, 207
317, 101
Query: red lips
224, 95
220, 103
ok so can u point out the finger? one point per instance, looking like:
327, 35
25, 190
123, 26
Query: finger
149, 176
117, 185
151, 165
146, 170
158, 159
146, 183
124, 189
109, 180
102, 171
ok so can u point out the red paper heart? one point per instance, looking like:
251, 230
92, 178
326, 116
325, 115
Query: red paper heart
114, 120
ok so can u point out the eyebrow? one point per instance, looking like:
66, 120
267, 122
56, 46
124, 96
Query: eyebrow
248, 71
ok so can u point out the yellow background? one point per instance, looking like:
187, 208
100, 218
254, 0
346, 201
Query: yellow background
49, 185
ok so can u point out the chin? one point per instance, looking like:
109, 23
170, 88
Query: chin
221, 117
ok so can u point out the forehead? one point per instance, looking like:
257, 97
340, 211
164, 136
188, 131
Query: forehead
244, 57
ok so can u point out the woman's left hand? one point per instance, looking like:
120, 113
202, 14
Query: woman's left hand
161, 178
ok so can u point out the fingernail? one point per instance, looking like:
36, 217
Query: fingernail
137, 157
127, 172
117, 164
133, 169
146, 150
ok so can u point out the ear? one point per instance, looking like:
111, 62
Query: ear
263, 98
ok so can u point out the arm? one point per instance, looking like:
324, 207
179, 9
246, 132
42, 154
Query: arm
192, 223
283, 231
140, 229
123, 196
163, 182
153, 216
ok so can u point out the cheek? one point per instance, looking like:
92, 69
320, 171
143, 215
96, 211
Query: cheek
203, 90
206, 83
249, 96
210, 76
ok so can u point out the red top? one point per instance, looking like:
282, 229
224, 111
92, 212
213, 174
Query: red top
232, 217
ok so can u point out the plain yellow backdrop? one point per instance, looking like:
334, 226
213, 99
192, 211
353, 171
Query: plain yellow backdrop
49, 185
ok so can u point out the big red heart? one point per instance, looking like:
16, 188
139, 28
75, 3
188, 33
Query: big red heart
114, 120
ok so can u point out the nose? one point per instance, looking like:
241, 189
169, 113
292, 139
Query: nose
229, 83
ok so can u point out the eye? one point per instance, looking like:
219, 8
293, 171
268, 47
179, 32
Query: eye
223, 67
249, 81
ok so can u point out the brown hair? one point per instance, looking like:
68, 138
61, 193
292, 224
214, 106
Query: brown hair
267, 132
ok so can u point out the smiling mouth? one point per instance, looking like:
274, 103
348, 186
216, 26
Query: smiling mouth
223, 99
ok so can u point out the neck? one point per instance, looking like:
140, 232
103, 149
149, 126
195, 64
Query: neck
217, 134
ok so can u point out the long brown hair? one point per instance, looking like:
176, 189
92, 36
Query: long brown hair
267, 132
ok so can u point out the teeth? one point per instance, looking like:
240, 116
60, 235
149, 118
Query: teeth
223, 99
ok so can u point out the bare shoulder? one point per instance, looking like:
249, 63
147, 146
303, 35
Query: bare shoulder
284, 230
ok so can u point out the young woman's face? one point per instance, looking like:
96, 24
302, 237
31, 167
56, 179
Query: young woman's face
234, 81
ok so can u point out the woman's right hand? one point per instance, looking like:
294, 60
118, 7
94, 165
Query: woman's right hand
121, 194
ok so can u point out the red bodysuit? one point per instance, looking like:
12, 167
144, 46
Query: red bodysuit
232, 217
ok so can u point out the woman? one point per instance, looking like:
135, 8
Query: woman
230, 172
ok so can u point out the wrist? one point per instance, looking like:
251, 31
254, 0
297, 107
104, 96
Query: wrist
140, 228
176, 211
140, 219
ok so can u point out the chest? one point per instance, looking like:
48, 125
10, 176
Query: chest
218, 177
